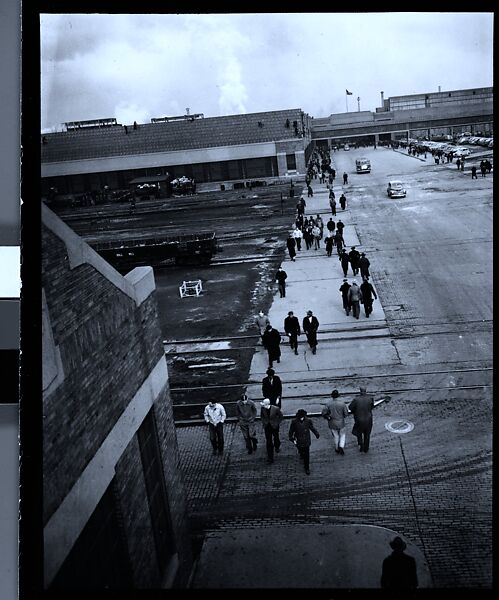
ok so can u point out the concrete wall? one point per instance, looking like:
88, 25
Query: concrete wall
104, 371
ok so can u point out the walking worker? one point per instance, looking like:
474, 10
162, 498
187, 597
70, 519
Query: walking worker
343, 202
310, 326
345, 261
271, 417
281, 277
483, 168
332, 203
298, 235
345, 286
320, 223
399, 569
308, 236
345, 178
354, 299
272, 388
331, 225
316, 232
367, 291
262, 321
362, 410
339, 242
246, 413
271, 340
458, 164
329, 242
335, 411
340, 226
291, 244
354, 260
310, 191
473, 172
214, 415
299, 434
364, 265
292, 329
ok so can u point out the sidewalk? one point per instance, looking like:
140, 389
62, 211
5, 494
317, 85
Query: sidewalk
313, 284
241, 551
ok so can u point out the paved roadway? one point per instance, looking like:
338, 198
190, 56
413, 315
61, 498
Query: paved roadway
429, 346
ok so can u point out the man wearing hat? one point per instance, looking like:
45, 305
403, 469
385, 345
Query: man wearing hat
271, 339
362, 410
299, 434
335, 411
246, 413
399, 569
354, 299
364, 264
345, 286
354, 257
367, 291
310, 327
292, 328
271, 417
272, 388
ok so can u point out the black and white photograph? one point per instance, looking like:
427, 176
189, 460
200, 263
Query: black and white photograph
266, 301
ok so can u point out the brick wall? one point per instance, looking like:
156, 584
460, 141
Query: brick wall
108, 347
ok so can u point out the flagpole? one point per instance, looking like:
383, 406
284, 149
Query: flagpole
346, 100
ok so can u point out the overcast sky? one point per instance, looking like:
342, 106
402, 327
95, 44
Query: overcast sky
134, 67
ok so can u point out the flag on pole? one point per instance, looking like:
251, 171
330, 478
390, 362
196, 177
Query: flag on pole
348, 93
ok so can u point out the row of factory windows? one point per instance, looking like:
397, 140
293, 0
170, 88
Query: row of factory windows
201, 172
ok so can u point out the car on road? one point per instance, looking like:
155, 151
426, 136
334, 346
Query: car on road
363, 165
459, 152
346, 147
396, 189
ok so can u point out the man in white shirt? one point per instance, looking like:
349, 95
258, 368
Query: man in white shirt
214, 415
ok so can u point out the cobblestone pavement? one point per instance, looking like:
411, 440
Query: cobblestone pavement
433, 485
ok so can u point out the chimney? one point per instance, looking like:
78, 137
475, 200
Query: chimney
382, 99
439, 89
187, 111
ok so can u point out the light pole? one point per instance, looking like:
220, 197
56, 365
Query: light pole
358, 103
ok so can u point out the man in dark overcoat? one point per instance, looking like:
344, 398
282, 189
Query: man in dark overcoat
367, 292
271, 340
271, 417
345, 286
272, 388
362, 410
354, 256
310, 326
299, 434
399, 569
292, 329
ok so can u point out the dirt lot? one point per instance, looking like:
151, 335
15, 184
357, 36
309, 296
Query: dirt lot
251, 225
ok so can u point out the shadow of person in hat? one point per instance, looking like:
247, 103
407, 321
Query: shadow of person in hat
399, 569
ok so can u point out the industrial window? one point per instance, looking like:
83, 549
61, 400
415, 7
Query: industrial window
290, 162
156, 492
99, 558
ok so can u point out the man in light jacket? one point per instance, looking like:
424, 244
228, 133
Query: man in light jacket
214, 415
335, 411
354, 299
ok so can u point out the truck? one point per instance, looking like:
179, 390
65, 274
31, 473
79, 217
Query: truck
158, 251
183, 185
363, 165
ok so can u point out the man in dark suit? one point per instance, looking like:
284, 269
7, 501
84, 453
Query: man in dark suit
310, 327
271, 417
271, 340
292, 328
272, 388
354, 257
367, 292
362, 410
281, 277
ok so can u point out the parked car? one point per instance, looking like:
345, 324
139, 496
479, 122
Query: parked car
346, 147
459, 152
396, 189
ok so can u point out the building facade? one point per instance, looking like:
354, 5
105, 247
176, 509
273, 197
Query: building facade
114, 507
233, 148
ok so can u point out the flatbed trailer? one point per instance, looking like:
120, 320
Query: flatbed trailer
158, 251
